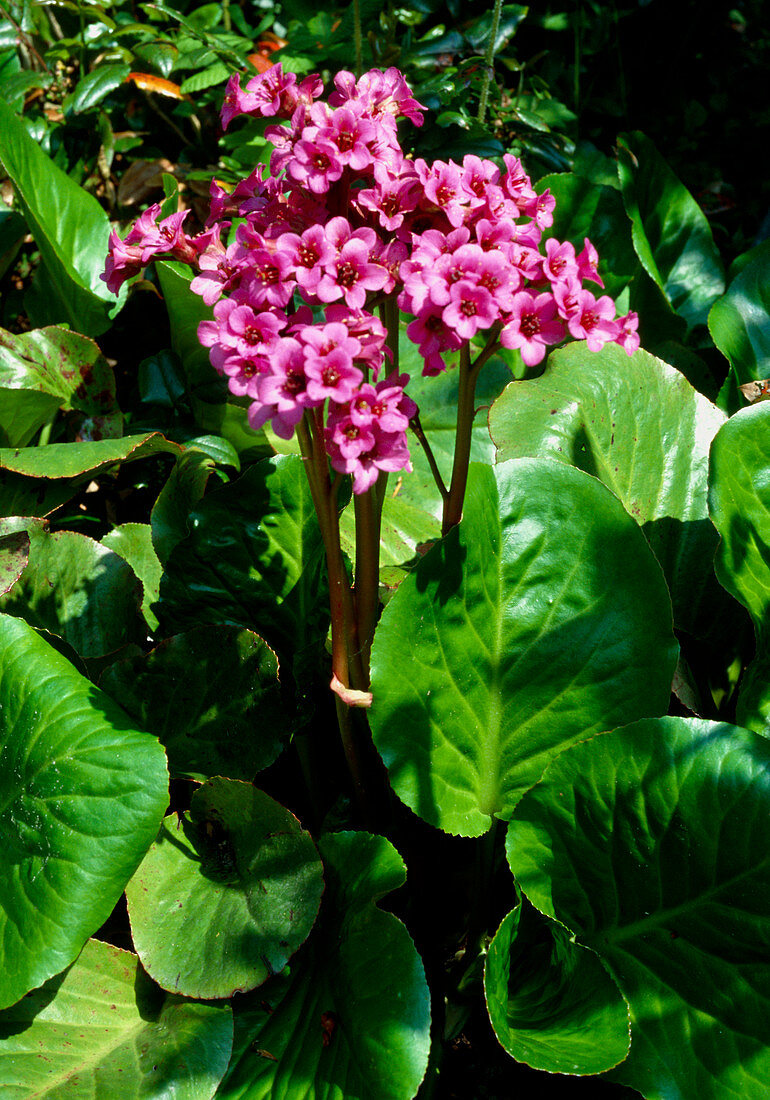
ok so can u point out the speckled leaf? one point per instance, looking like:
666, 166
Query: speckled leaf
740, 508
82, 794
213, 698
541, 619
61, 363
649, 844
639, 426
79, 590
102, 1029
552, 1004
352, 1021
226, 894
14, 549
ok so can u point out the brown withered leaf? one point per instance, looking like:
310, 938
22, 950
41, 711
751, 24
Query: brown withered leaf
756, 391
141, 179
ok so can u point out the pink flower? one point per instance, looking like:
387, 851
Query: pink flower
531, 326
351, 275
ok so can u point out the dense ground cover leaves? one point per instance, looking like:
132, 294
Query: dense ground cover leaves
580, 663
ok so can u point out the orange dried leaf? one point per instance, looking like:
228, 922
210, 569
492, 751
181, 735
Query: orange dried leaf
149, 83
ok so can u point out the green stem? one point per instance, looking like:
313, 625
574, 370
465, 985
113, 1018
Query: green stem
357, 38
418, 430
368, 510
227, 22
453, 504
489, 59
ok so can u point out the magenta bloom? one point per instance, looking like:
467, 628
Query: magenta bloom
531, 326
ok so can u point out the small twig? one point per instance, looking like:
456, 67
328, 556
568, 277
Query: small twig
489, 60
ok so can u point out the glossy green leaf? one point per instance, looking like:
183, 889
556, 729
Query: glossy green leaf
739, 322
103, 1029
81, 591
739, 497
208, 390
133, 543
649, 844
184, 488
13, 230
254, 556
211, 696
639, 426
226, 894
670, 232
94, 86
69, 226
36, 480
82, 793
69, 460
541, 619
551, 1002
586, 209
353, 1020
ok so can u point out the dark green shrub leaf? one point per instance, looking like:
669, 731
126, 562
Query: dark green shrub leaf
82, 793
649, 844
79, 590
103, 1028
211, 696
639, 426
254, 556
541, 619
69, 226
226, 894
97, 84
354, 1017
740, 321
671, 234
551, 1002
739, 498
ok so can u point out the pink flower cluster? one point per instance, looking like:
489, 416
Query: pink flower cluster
345, 221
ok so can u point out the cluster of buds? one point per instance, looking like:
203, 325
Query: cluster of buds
344, 222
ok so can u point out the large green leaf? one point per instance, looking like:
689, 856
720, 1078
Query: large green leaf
14, 549
226, 894
542, 618
740, 321
670, 232
185, 486
208, 390
103, 1029
81, 591
34, 481
587, 209
69, 226
639, 426
81, 794
254, 556
551, 1002
740, 508
650, 845
353, 1020
211, 696
133, 543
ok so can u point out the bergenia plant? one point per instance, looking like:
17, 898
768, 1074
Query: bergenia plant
344, 236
